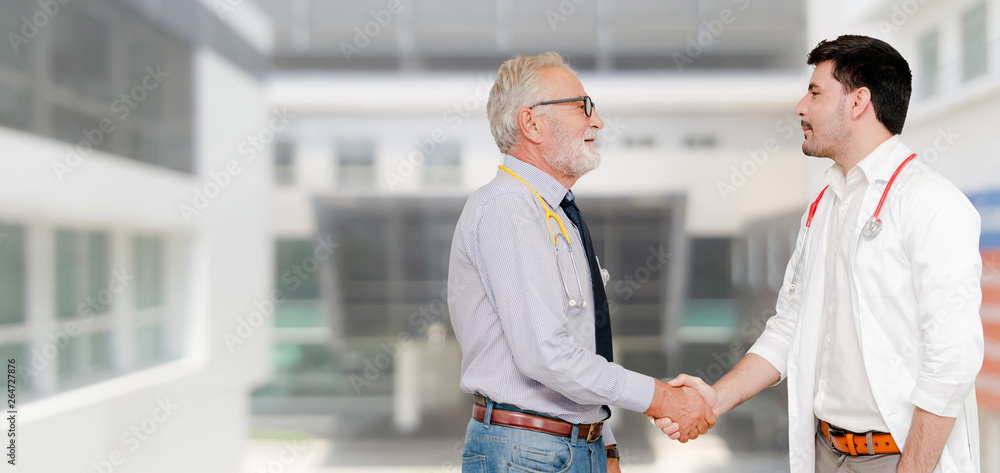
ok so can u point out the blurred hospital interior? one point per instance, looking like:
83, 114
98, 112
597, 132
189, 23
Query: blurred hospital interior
225, 224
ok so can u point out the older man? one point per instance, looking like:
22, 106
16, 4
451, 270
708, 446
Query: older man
526, 294
877, 326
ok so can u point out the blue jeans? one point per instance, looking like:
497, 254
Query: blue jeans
496, 448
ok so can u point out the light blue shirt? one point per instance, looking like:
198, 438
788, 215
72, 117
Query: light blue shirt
522, 343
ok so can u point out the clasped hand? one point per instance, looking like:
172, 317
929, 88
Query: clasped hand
684, 408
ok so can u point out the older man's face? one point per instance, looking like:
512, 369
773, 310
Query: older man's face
570, 137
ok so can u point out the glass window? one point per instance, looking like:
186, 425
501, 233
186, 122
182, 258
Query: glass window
779, 250
296, 270
284, 163
442, 167
356, 163
12, 269
974, 42
81, 56
15, 106
711, 268
82, 274
14, 52
930, 66
74, 127
148, 257
149, 343
148, 52
100, 352
105, 62
71, 360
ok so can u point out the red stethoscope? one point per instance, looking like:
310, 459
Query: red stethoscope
872, 227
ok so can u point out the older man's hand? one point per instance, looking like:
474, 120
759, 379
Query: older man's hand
667, 425
681, 406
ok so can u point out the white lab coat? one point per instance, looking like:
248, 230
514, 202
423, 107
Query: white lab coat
915, 301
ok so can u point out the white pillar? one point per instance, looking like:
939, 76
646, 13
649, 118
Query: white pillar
39, 241
406, 392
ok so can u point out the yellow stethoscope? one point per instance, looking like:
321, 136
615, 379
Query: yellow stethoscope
871, 229
549, 214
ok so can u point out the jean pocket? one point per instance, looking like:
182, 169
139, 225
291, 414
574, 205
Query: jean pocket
542, 453
472, 463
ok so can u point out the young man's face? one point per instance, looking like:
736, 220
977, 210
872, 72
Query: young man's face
823, 113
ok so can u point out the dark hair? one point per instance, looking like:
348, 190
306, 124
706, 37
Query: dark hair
860, 61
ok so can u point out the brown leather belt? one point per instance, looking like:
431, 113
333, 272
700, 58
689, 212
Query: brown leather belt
870, 443
546, 425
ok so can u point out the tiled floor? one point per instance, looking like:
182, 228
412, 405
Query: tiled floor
361, 442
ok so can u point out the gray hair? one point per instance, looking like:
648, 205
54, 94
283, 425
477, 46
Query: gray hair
516, 87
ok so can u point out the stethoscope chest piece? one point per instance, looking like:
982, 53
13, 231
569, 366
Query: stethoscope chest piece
872, 227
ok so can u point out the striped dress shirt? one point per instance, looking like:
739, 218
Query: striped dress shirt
522, 343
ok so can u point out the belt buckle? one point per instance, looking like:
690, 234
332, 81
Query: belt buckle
835, 432
591, 432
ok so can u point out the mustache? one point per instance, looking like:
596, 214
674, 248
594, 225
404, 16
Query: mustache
806, 124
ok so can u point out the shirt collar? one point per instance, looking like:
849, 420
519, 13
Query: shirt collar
545, 185
871, 167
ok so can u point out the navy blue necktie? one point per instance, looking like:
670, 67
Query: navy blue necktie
602, 316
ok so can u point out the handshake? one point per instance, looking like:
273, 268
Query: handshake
684, 408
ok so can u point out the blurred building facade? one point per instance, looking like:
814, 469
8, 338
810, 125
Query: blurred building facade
307, 176
699, 140
133, 231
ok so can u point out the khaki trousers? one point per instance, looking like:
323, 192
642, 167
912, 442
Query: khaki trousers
829, 460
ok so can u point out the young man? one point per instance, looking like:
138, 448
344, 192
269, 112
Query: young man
877, 326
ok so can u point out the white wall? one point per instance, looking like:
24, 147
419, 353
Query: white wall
756, 168
223, 265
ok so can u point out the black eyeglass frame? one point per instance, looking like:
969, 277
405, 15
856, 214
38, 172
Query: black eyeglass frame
588, 104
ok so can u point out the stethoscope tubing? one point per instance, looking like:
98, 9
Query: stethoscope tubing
549, 213
872, 228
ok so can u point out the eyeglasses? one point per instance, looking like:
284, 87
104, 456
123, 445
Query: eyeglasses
588, 105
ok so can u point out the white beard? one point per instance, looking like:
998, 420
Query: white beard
570, 156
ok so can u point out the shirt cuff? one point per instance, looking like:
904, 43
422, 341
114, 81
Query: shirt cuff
941, 399
772, 357
637, 392
609, 438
